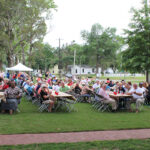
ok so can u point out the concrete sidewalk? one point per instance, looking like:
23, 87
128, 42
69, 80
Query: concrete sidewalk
73, 137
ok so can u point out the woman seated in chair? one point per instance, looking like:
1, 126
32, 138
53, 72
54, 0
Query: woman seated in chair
46, 96
13, 95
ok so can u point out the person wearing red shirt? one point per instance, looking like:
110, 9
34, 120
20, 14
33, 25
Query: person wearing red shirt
70, 83
6, 84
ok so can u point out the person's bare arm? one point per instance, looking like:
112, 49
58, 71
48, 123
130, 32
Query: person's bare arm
46, 96
139, 94
129, 93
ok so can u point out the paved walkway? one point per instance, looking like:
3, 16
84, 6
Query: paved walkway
73, 137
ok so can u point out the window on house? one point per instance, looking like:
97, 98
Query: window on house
76, 71
83, 70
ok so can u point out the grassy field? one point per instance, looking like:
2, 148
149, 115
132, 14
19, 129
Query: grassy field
131, 78
29, 120
102, 145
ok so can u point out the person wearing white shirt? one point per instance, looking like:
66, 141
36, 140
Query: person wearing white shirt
137, 94
143, 89
96, 86
56, 87
128, 88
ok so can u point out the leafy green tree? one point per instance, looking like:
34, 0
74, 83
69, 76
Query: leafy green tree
43, 57
10, 16
101, 45
67, 52
23, 26
136, 58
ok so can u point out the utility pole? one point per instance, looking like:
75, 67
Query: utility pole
80, 66
74, 62
60, 59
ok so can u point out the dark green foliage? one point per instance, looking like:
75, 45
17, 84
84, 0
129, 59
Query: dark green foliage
136, 58
102, 46
22, 26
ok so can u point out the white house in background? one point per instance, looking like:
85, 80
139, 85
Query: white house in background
83, 70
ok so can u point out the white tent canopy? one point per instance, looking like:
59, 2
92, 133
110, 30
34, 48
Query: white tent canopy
19, 67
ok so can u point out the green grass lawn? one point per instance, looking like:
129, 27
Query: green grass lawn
101, 145
29, 120
131, 78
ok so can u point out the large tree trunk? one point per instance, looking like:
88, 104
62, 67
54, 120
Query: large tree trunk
97, 61
102, 70
97, 58
1, 65
9, 59
23, 54
97, 64
147, 76
10, 52
16, 60
30, 52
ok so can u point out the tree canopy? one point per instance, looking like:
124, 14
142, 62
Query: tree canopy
136, 58
102, 46
22, 26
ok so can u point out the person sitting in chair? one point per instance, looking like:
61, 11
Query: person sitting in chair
77, 88
106, 97
137, 94
63, 87
46, 96
86, 92
6, 84
96, 85
13, 95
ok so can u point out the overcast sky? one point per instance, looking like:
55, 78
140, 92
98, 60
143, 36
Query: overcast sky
73, 16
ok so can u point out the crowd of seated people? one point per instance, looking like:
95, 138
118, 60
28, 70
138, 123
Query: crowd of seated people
44, 85
83, 87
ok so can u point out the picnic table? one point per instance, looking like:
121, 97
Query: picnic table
64, 100
121, 99
119, 95
2, 96
62, 95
